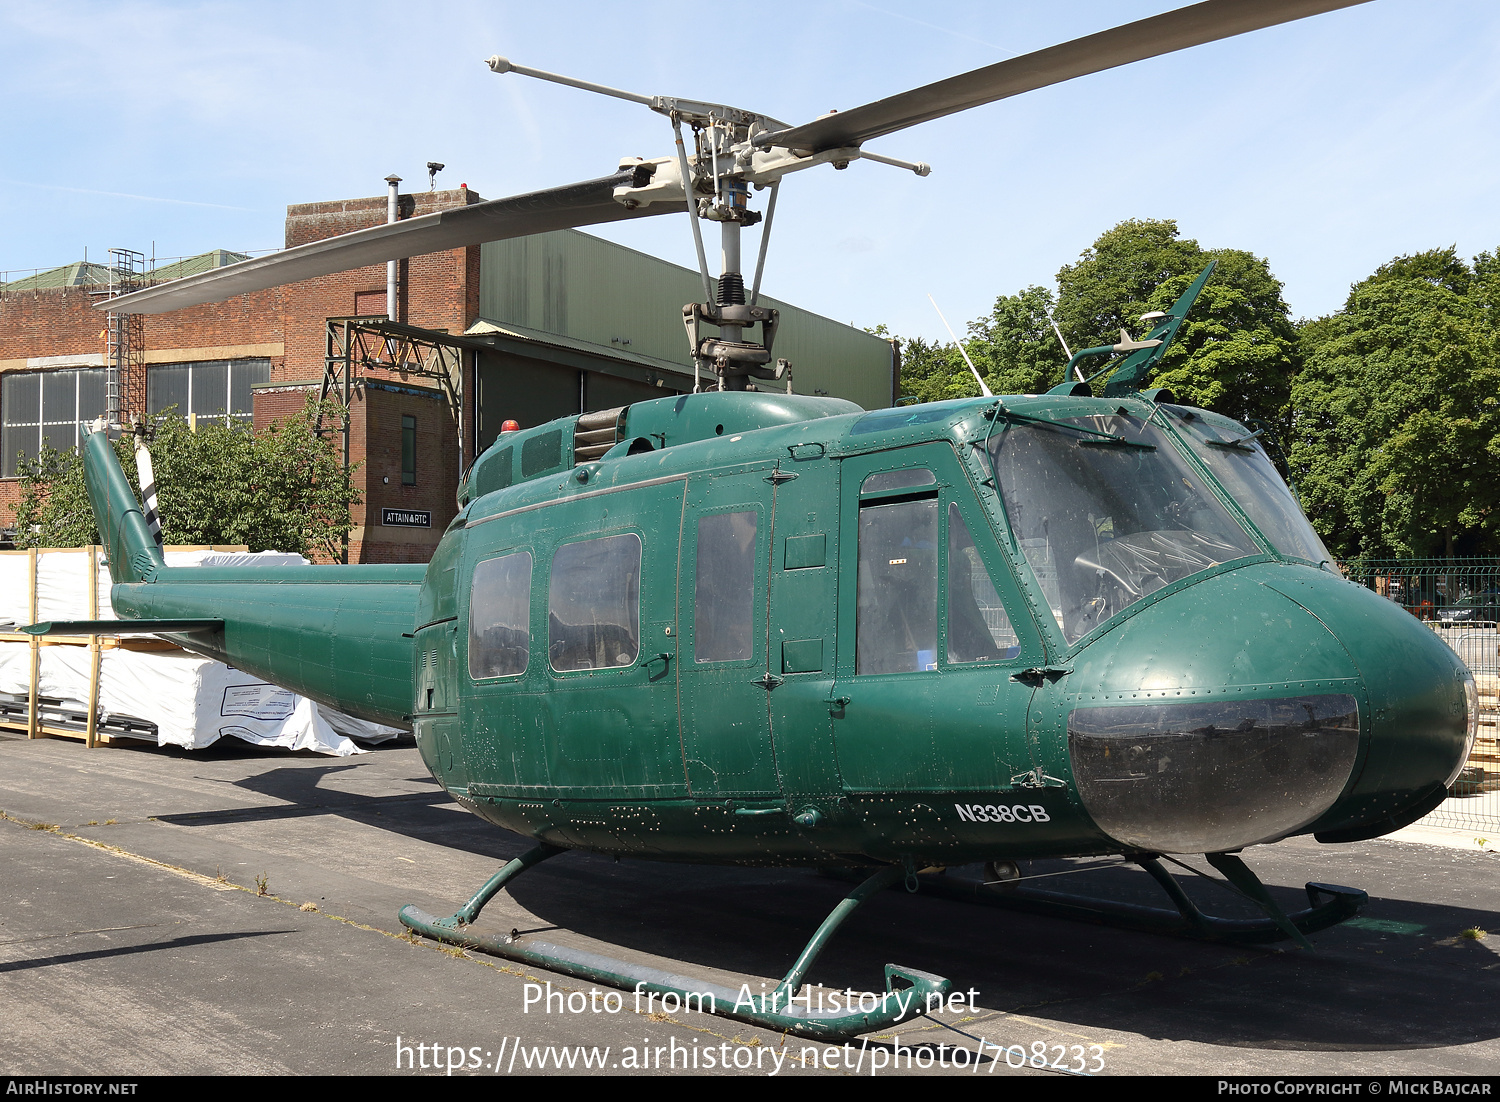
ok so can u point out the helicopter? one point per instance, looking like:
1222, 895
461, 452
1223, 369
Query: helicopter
750, 627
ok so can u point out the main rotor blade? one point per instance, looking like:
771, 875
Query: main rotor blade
1160, 34
588, 203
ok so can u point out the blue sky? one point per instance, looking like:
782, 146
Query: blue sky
1327, 146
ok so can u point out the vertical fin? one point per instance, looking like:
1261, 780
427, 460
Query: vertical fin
147, 476
134, 555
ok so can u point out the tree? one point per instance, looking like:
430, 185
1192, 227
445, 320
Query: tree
934, 372
282, 489
1396, 431
1110, 286
1237, 351
1236, 354
1014, 348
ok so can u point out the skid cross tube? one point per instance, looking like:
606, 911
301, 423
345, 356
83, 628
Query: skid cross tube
907, 994
1328, 905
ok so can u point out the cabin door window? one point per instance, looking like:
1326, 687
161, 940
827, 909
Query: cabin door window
500, 616
897, 626
594, 604
979, 628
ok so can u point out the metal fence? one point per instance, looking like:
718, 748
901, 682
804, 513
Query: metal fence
1474, 801
1441, 590
1460, 600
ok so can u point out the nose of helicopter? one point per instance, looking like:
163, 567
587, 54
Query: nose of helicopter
1261, 702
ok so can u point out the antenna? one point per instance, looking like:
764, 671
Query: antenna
982, 388
1068, 352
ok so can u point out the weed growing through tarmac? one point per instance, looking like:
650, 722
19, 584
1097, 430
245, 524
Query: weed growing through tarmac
110, 822
262, 884
308, 907
41, 826
1473, 933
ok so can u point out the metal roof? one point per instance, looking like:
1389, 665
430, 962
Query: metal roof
85, 273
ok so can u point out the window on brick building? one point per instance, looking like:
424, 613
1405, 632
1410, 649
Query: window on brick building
212, 389
46, 408
408, 450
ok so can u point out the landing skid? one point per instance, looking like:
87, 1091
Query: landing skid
908, 992
1328, 905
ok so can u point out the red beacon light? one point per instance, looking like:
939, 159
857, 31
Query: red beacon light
510, 426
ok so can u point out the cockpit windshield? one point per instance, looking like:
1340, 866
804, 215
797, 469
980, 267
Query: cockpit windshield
1107, 511
1242, 467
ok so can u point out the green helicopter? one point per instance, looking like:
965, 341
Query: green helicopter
755, 628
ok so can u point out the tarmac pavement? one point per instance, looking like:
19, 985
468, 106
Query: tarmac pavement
134, 940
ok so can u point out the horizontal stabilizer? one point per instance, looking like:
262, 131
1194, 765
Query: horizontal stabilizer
115, 627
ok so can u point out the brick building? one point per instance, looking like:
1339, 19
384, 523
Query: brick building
536, 328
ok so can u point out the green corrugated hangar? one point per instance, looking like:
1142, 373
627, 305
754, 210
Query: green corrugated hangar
578, 323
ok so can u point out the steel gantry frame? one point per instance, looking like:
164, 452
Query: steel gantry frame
355, 345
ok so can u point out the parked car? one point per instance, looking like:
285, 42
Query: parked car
1478, 607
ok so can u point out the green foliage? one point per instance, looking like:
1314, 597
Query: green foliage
1014, 348
282, 489
1396, 443
1113, 282
1235, 355
54, 509
934, 372
1439, 267
1237, 351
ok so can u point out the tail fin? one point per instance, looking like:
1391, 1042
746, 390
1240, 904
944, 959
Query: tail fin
133, 552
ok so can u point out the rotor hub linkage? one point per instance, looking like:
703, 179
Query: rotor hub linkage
734, 359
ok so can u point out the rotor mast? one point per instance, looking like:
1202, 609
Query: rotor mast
732, 357
714, 181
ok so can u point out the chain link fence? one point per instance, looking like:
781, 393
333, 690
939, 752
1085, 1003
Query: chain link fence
1460, 600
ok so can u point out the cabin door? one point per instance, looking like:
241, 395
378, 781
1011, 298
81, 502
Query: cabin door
726, 539
804, 603
931, 633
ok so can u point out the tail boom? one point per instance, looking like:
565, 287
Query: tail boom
341, 635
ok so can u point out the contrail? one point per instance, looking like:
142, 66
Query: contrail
124, 195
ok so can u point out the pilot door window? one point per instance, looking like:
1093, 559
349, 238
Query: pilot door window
724, 589
594, 604
500, 616
897, 619
979, 630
